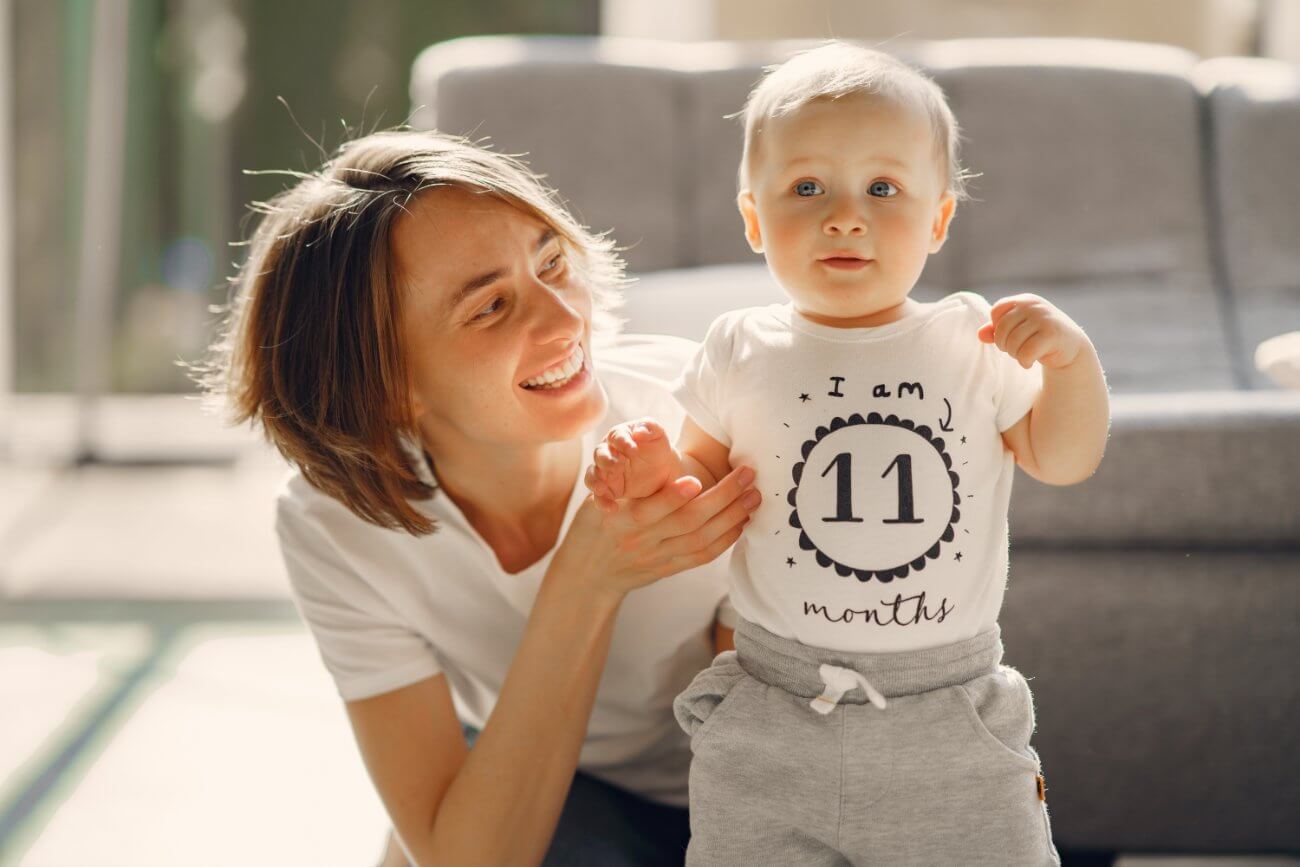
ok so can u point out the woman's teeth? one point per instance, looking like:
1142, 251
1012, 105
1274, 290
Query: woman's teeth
558, 376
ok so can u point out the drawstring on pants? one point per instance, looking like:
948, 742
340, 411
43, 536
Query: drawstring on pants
839, 681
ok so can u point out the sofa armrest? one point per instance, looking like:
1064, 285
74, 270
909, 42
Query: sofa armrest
1253, 135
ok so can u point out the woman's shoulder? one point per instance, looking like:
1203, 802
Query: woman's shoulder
638, 372
651, 357
298, 498
307, 517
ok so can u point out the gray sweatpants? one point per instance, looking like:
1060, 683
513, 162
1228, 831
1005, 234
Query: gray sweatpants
920, 757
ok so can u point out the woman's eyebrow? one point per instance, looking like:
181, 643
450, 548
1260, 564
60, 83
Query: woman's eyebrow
477, 283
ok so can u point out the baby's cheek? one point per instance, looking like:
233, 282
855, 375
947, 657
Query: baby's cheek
782, 250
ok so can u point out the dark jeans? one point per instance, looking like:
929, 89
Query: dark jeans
605, 826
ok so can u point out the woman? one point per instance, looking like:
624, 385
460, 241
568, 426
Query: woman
423, 332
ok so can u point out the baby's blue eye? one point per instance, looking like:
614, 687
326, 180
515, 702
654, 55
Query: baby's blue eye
875, 187
808, 188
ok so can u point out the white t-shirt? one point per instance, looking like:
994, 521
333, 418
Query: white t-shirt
879, 454
388, 609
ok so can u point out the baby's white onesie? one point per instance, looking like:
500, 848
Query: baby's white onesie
879, 454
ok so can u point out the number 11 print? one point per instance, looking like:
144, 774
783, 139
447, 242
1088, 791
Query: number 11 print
842, 463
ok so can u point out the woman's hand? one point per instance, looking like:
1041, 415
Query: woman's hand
675, 529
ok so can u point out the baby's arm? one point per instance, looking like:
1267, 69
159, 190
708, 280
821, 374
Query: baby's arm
635, 460
709, 458
702, 456
1060, 441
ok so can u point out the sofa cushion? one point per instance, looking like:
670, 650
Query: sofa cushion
1090, 157
683, 302
1255, 138
596, 116
1152, 334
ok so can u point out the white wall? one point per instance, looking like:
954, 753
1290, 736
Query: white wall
676, 20
1206, 27
1281, 36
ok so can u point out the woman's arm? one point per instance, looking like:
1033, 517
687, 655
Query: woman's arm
412, 745
499, 802
449, 804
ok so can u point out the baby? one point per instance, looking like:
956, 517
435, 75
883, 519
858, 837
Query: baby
865, 714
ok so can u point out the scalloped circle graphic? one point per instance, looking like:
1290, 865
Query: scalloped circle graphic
874, 497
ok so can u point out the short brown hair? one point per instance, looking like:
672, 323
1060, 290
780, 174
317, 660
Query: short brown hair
310, 349
838, 69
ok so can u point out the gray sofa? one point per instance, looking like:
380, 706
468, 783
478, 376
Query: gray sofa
1155, 198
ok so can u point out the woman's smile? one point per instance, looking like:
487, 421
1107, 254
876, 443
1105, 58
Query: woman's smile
570, 375
559, 372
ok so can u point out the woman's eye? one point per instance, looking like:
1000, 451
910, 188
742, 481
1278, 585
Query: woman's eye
808, 188
876, 186
489, 310
553, 263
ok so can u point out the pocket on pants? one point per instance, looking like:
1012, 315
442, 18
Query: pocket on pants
699, 707
1000, 709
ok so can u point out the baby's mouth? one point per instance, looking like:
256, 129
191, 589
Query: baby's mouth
848, 262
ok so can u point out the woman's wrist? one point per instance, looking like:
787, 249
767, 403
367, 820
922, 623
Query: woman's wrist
581, 589
571, 574
585, 597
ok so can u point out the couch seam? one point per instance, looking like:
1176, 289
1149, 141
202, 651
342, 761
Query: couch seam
1216, 244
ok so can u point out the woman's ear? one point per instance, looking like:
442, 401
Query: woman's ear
749, 213
417, 406
942, 217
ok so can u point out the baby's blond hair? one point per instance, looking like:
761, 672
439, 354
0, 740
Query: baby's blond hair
837, 69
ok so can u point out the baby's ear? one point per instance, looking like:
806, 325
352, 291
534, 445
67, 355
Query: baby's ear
942, 218
749, 213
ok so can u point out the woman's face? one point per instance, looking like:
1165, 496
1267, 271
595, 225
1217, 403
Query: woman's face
496, 323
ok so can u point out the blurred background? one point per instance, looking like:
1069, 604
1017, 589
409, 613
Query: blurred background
160, 703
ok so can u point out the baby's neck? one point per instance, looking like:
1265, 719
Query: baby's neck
867, 320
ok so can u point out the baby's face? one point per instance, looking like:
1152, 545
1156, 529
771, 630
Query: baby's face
847, 199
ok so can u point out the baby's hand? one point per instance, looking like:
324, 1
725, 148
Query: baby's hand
1029, 328
634, 460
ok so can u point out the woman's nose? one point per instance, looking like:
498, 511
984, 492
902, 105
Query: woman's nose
555, 317
845, 217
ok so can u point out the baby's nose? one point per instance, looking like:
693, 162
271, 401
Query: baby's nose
846, 226
845, 221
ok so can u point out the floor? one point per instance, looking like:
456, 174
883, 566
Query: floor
160, 702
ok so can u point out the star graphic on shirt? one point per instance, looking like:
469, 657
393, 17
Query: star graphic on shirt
963, 440
958, 557
804, 397
789, 561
